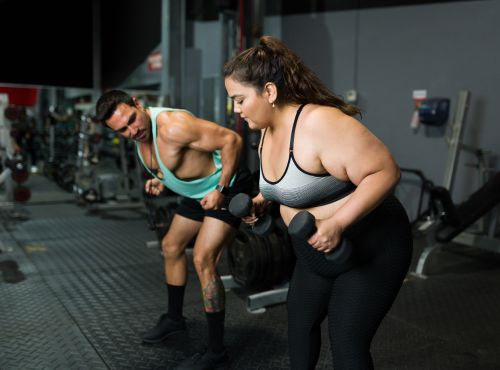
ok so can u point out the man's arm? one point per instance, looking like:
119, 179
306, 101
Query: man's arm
203, 135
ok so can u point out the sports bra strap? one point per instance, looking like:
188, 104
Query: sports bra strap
262, 143
292, 136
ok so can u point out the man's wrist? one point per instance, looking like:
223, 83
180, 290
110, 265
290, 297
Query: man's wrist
222, 189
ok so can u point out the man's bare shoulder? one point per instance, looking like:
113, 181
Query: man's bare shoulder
175, 126
174, 118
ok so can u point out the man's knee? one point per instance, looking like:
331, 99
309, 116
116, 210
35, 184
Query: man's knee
171, 248
204, 260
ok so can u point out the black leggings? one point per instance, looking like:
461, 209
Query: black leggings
355, 300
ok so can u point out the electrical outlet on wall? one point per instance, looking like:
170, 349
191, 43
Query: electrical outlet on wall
351, 96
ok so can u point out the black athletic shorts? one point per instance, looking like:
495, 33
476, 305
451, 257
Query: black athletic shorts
191, 208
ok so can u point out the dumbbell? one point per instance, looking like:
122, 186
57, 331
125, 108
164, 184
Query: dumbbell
241, 206
18, 167
303, 225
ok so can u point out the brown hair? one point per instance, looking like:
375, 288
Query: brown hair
272, 61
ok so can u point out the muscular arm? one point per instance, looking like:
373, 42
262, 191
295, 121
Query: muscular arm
202, 135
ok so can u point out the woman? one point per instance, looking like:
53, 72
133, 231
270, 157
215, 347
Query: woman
316, 156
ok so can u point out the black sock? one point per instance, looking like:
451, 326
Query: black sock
175, 295
216, 331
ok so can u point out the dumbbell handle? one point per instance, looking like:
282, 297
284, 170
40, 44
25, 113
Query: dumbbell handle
303, 225
241, 206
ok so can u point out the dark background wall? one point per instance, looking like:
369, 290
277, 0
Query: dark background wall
46, 42
130, 30
49, 42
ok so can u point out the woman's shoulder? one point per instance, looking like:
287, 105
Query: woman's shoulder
319, 116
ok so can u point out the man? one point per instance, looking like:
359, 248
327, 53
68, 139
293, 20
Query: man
198, 160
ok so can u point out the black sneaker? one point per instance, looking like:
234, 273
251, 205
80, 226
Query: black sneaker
206, 360
165, 327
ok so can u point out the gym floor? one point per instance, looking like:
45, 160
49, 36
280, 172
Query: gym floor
77, 289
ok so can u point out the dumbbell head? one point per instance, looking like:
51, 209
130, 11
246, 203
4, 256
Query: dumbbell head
22, 194
264, 226
20, 175
302, 225
342, 253
18, 167
240, 205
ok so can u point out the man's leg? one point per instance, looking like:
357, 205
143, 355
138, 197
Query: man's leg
214, 234
182, 230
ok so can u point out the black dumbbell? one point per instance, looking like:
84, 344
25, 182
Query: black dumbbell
303, 225
241, 206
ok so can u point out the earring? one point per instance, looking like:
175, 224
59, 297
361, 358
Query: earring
272, 104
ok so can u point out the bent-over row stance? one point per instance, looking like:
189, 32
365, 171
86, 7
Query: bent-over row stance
199, 160
315, 156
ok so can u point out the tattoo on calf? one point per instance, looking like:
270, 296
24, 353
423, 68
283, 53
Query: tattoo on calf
213, 296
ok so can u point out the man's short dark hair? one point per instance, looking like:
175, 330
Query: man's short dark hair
107, 103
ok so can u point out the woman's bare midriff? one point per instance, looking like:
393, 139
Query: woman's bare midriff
320, 212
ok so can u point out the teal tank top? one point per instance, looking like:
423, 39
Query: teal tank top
194, 189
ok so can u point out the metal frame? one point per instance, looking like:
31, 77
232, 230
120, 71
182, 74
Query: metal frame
486, 241
257, 302
456, 138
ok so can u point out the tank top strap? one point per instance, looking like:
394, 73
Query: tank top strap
292, 136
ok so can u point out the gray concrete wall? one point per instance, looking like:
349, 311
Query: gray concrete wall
386, 53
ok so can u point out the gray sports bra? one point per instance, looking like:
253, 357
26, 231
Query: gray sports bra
298, 188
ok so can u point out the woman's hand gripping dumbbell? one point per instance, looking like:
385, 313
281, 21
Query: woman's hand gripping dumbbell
241, 206
303, 225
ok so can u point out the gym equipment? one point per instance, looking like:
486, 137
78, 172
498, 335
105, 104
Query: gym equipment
17, 165
13, 170
260, 267
161, 220
160, 212
105, 175
60, 149
6, 151
257, 261
444, 221
257, 302
241, 206
303, 225
14, 113
454, 219
22, 194
90, 195
457, 218
65, 176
